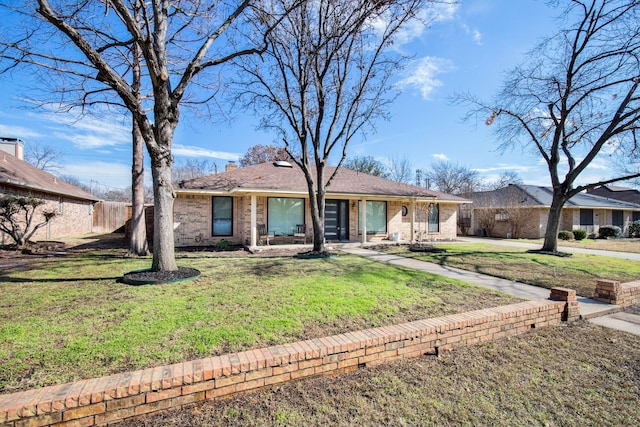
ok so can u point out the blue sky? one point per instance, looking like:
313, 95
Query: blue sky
469, 50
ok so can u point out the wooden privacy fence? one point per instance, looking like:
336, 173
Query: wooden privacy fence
110, 216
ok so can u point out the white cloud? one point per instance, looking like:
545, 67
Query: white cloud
440, 156
18, 132
191, 151
422, 75
414, 28
503, 167
475, 34
477, 37
117, 175
90, 132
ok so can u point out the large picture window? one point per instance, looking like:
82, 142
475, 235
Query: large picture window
283, 214
222, 216
434, 217
376, 217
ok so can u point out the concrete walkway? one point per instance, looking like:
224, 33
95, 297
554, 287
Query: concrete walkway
600, 313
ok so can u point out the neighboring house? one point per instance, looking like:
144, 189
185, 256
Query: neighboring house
73, 206
236, 204
521, 211
625, 194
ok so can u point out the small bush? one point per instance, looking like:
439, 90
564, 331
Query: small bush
634, 229
610, 231
565, 235
223, 244
579, 234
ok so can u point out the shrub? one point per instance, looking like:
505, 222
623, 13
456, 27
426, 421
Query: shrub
634, 229
579, 234
565, 235
223, 244
610, 231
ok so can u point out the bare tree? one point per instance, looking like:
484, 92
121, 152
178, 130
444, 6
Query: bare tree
453, 178
43, 156
400, 169
366, 164
323, 78
192, 169
89, 47
576, 98
504, 180
262, 154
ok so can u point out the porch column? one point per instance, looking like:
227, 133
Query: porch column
254, 227
413, 221
363, 221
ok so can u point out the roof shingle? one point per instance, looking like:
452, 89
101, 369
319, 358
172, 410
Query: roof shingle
16, 172
270, 177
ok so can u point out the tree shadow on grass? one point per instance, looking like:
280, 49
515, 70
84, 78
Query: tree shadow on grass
8, 279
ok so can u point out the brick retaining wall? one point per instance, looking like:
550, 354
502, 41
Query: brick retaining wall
614, 292
116, 397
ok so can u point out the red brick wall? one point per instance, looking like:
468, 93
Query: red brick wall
102, 400
614, 292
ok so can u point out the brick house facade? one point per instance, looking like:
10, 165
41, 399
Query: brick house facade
73, 206
402, 211
521, 211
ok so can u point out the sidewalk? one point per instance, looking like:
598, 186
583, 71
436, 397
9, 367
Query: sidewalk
600, 313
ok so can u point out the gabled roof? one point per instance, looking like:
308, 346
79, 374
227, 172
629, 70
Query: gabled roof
532, 195
619, 193
18, 173
271, 178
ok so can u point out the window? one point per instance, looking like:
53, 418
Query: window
434, 217
284, 214
617, 218
222, 209
635, 216
376, 217
502, 216
586, 216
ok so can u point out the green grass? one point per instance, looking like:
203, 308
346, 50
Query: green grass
67, 318
577, 272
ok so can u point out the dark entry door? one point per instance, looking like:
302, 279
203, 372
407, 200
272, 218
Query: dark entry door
336, 220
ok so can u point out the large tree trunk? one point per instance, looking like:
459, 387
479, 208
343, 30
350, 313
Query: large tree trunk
138, 245
163, 196
317, 218
317, 203
553, 223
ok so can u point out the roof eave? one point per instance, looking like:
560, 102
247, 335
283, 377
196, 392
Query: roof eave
28, 186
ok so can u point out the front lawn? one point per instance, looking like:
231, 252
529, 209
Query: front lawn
67, 318
618, 245
576, 272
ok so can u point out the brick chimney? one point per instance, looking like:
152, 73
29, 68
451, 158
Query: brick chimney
230, 166
13, 146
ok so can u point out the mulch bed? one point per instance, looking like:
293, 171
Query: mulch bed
149, 277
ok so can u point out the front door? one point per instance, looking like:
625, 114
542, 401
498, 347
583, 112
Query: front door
336, 220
